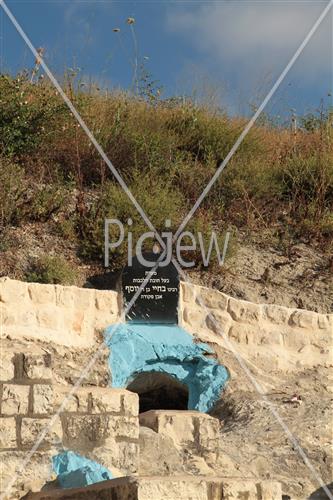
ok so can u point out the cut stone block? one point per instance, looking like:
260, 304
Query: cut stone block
6, 366
7, 432
131, 403
187, 429
32, 477
106, 301
212, 299
42, 398
37, 366
106, 400
41, 294
15, 399
32, 428
76, 402
233, 490
244, 312
270, 490
13, 291
85, 432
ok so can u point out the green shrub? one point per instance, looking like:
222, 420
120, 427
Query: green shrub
160, 202
54, 270
12, 190
307, 184
29, 114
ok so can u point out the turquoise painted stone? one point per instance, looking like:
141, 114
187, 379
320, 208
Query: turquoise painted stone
169, 349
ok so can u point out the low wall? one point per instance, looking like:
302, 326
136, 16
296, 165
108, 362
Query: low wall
293, 335
66, 315
72, 316
98, 422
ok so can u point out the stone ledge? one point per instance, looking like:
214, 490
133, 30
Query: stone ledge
97, 400
169, 488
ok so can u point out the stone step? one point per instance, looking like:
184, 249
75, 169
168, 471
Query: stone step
166, 488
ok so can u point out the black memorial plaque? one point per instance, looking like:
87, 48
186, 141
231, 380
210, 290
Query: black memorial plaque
158, 301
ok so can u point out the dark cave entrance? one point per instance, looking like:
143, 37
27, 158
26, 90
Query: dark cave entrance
159, 391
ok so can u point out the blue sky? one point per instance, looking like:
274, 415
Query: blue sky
226, 52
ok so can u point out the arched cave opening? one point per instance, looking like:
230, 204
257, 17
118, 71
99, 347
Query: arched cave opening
159, 391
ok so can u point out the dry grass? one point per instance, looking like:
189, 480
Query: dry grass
278, 187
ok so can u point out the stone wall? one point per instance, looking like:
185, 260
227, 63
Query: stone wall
98, 422
63, 314
282, 334
72, 316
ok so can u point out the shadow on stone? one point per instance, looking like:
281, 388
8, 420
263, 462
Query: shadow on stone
320, 494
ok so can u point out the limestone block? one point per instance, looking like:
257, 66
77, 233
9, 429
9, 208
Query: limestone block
171, 489
15, 316
296, 339
65, 296
270, 490
218, 322
76, 402
178, 425
236, 489
48, 316
207, 437
104, 319
194, 316
244, 312
158, 454
89, 431
42, 398
106, 301
113, 400
247, 334
123, 456
187, 429
212, 299
276, 314
85, 432
239, 334
84, 298
34, 428
8, 314
7, 432
105, 399
30, 477
304, 319
13, 291
6, 366
37, 366
41, 294
131, 403
324, 322
15, 399
127, 427
73, 320
188, 292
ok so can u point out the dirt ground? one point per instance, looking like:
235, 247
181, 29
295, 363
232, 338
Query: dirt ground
302, 279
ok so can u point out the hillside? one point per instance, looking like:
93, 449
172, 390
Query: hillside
275, 196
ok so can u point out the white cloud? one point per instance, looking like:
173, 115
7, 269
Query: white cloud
257, 38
